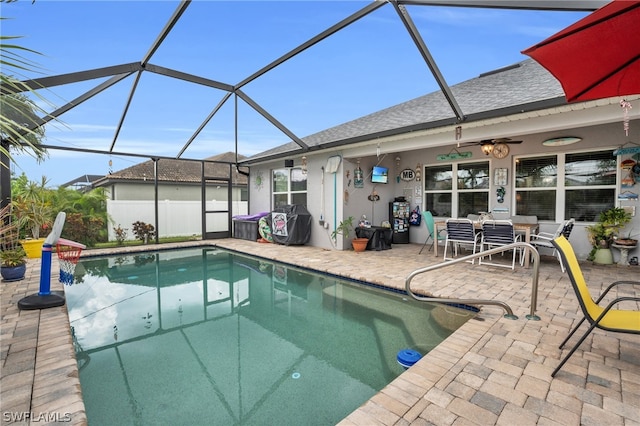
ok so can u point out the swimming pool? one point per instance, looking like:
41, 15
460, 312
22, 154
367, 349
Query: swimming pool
208, 336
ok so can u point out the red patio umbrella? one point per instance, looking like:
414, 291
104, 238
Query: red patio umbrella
598, 56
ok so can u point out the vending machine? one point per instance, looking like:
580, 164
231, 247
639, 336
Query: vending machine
399, 212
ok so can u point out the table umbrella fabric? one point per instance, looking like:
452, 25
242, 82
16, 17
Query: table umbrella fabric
598, 56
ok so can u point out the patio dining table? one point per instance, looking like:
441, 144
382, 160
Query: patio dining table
525, 229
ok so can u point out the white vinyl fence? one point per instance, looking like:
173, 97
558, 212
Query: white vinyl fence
175, 218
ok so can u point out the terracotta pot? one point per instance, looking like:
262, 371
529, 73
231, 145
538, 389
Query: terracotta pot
359, 244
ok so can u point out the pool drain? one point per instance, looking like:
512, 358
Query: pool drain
295, 375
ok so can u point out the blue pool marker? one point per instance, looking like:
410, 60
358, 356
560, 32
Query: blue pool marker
408, 357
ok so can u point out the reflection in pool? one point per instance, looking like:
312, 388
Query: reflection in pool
209, 336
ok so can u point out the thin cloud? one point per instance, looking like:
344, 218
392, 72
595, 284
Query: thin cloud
458, 17
89, 127
522, 22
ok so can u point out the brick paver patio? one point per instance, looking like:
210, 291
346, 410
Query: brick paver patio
492, 370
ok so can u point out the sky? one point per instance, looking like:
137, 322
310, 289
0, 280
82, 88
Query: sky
366, 67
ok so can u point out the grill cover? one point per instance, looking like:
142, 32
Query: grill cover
291, 225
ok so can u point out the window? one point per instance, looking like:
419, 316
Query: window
470, 194
438, 189
590, 179
289, 187
564, 186
536, 181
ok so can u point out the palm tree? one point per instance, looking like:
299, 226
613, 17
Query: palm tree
32, 205
19, 121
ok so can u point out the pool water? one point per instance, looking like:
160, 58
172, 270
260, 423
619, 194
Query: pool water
208, 336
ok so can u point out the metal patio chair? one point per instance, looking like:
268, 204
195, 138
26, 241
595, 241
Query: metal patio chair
461, 232
603, 317
544, 239
497, 233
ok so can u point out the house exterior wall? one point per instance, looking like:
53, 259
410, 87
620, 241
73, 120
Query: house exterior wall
343, 200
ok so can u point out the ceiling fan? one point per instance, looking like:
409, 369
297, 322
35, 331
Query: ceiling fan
498, 146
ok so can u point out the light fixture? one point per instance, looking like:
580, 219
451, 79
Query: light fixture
565, 140
418, 172
304, 165
486, 147
398, 160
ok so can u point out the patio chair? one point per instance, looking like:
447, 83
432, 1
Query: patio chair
544, 239
496, 233
429, 222
603, 317
461, 232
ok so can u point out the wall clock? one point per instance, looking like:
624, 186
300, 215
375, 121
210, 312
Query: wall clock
500, 150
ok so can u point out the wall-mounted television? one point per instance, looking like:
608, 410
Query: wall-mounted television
380, 174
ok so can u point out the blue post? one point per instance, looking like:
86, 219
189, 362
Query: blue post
45, 298
45, 271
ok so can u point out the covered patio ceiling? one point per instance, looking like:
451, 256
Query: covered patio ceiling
233, 92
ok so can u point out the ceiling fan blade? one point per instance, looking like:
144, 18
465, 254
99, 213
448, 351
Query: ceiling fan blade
488, 142
465, 144
504, 140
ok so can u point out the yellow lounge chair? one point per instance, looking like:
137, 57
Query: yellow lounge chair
605, 318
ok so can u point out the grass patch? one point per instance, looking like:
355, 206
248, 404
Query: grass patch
131, 243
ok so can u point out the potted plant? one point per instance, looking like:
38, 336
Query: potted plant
604, 232
14, 264
628, 240
12, 256
344, 228
33, 211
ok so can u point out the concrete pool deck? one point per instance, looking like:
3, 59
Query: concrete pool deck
491, 371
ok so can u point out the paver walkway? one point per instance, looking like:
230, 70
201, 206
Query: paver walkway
492, 370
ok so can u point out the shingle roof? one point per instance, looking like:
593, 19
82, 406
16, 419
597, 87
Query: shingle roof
521, 84
184, 171
80, 180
